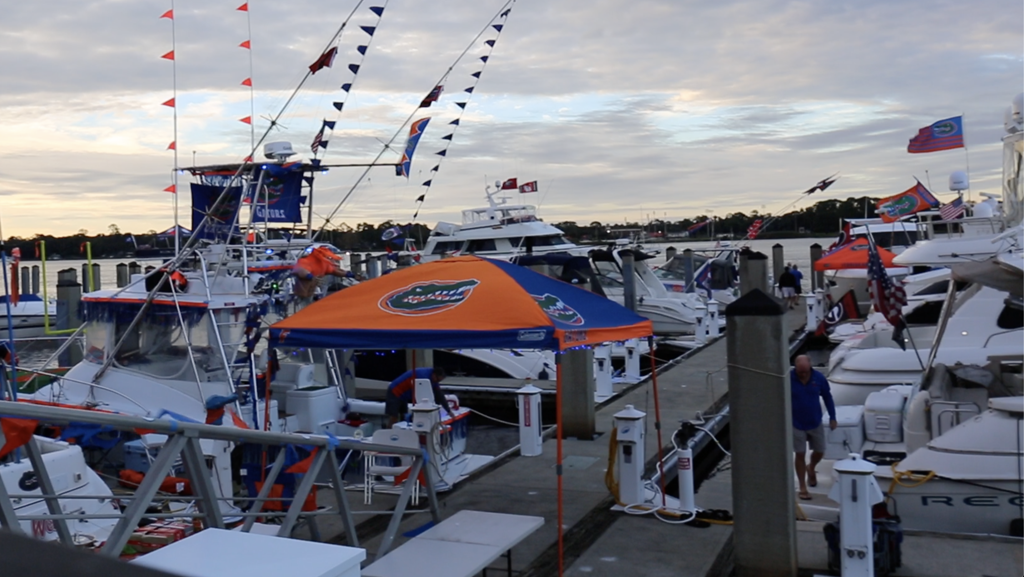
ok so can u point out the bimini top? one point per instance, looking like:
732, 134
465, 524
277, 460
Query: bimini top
462, 302
853, 255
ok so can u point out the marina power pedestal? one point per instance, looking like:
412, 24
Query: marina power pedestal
531, 444
425, 416
856, 492
629, 435
603, 372
712, 320
700, 329
423, 391
632, 361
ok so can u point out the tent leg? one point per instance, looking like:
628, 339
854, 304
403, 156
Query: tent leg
558, 459
657, 415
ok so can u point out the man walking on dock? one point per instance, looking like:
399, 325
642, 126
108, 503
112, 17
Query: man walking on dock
807, 386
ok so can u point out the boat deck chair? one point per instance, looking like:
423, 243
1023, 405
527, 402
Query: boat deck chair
383, 464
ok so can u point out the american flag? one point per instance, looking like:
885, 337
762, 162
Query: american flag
953, 210
315, 147
754, 229
887, 296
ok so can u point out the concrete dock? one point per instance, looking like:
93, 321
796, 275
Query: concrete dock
601, 542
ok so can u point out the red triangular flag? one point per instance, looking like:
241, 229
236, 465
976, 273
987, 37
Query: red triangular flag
169, 103
247, 120
168, 14
172, 146
245, 44
169, 55
247, 159
247, 82
171, 189
243, 7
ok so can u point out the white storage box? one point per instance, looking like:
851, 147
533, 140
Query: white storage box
883, 417
315, 407
848, 436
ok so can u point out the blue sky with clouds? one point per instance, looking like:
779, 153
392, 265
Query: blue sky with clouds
619, 109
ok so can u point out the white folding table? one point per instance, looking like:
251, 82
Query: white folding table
463, 544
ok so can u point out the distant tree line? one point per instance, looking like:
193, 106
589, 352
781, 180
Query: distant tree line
821, 218
115, 244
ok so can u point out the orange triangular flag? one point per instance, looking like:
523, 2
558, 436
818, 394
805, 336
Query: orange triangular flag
172, 146
247, 120
245, 44
169, 103
168, 14
237, 420
169, 55
247, 82
243, 7
171, 188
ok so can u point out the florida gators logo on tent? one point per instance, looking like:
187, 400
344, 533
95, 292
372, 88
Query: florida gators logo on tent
558, 310
427, 298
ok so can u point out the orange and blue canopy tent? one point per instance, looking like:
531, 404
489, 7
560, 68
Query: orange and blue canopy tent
460, 302
853, 255
465, 302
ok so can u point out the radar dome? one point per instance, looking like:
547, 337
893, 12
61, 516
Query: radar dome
958, 180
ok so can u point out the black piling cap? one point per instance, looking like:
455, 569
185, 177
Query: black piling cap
752, 255
754, 304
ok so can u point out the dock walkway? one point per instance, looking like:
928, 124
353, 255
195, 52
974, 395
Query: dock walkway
528, 486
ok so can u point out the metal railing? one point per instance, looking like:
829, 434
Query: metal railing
183, 439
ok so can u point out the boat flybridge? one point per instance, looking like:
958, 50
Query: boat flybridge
183, 340
498, 230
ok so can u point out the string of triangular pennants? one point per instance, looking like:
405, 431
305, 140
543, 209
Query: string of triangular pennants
418, 126
172, 103
247, 45
322, 138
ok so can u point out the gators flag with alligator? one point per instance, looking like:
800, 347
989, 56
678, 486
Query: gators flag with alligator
457, 303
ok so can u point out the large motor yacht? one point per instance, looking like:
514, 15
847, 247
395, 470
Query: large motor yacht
498, 230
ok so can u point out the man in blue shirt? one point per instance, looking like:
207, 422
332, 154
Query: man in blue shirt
807, 386
401, 391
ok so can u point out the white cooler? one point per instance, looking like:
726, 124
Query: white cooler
317, 408
848, 436
883, 417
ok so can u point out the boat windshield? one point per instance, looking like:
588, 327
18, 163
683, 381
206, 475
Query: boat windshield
608, 276
673, 269
156, 349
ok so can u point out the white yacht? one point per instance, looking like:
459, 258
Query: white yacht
498, 230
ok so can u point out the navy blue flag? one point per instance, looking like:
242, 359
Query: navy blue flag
362, 49
378, 10
369, 29
281, 199
347, 86
354, 68
222, 219
489, 43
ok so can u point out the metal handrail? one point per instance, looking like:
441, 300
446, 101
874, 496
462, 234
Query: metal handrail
1007, 331
61, 415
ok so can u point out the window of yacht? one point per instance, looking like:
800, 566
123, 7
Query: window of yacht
547, 240
608, 276
481, 245
447, 247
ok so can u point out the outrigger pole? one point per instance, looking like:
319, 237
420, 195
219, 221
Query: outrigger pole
173, 264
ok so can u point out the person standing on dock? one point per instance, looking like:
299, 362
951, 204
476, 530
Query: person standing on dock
798, 281
807, 386
401, 391
787, 286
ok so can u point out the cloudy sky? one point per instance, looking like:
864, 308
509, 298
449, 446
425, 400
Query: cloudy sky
620, 109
